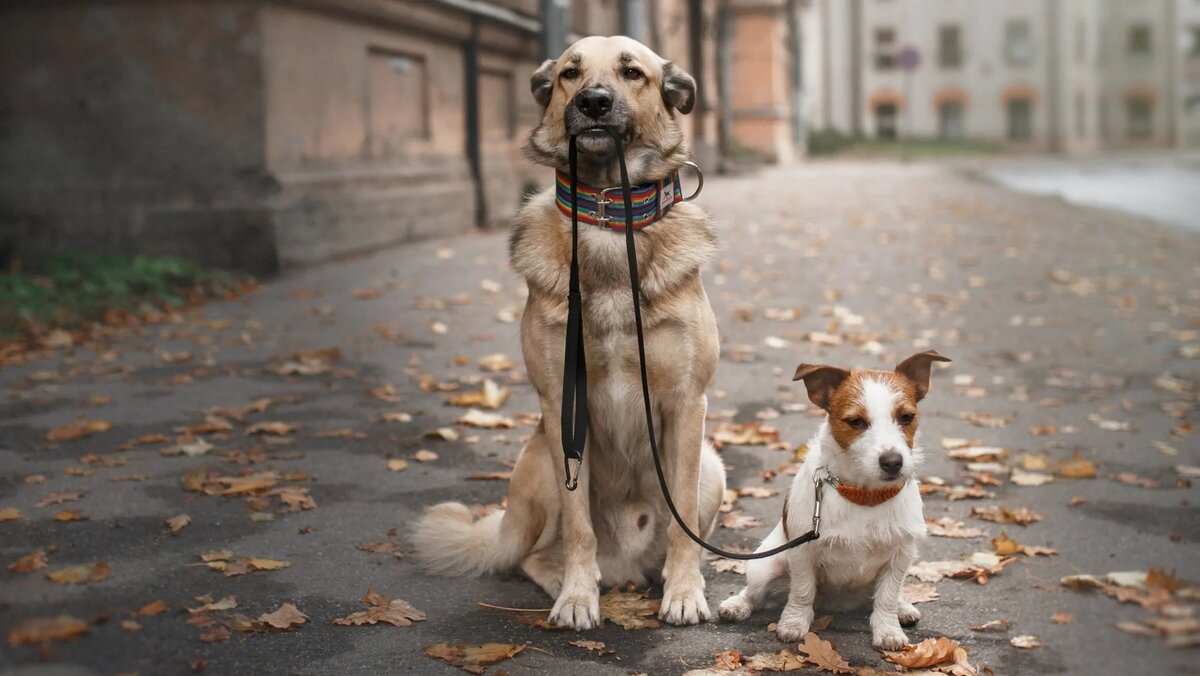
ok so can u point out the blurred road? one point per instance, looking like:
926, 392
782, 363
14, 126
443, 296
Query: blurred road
1159, 187
1074, 334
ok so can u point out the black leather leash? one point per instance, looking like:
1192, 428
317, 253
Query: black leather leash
574, 406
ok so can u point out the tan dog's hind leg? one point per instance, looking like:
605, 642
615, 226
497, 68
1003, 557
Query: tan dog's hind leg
683, 584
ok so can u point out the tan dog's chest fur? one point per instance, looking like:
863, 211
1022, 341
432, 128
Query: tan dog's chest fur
616, 526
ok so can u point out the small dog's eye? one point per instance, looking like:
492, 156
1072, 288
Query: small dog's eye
906, 418
632, 74
569, 73
857, 423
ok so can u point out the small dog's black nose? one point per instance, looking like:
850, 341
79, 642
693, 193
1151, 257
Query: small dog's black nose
891, 462
594, 101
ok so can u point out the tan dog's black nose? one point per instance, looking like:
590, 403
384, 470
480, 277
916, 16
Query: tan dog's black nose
594, 101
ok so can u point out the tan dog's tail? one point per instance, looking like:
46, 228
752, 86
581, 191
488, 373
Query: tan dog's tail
450, 541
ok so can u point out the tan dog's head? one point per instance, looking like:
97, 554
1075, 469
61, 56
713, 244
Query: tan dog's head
872, 416
616, 83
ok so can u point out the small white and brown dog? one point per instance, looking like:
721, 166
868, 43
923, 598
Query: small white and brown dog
870, 525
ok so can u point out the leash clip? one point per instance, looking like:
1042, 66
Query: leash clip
572, 477
818, 489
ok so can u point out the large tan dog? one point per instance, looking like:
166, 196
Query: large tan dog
616, 526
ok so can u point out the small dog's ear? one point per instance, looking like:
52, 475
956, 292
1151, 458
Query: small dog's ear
679, 89
917, 368
821, 381
542, 82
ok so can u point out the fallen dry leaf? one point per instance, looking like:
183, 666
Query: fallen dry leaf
1003, 515
631, 609
157, 607
77, 429
744, 434
425, 455
96, 572
951, 528
1025, 642
597, 647
736, 520
821, 654
59, 497
271, 428
1062, 618
784, 660
490, 396
473, 658
284, 618
10, 514
29, 562
397, 464
45, 629
395, 612
1029, 479
476, 418
916, 592
68, 515
176, 524
216, 635
993, 625
931, 652
208, 605
496, 362
388, 547
1077, 468
1004, 545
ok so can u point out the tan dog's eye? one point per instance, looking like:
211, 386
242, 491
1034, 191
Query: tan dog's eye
569, 73
906, 418
632, 74
857, 423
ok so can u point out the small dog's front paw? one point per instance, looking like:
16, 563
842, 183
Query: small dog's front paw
888, 638
577, 609
734, 609
793, 625
908, 615
684, 604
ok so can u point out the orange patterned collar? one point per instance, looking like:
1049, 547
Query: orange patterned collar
867, 497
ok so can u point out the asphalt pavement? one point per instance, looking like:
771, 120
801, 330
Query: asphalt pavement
1075, 334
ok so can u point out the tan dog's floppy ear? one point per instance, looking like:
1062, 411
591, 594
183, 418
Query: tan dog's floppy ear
679, 89
542, 82
917, 367
821, 381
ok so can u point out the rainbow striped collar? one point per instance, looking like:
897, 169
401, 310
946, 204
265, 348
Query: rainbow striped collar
605, 207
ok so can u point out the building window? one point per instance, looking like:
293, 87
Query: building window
1018, 43
950, 121
949, 46
1020, 120
885, 121
885, 48
1140, 40
1193, 48
1192, 106
1140, 114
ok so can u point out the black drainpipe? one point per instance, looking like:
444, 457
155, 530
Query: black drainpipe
471, 110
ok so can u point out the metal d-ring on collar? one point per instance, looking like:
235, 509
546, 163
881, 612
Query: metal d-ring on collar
603, 200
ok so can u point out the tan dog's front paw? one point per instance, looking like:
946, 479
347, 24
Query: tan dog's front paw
684, 604
577, 608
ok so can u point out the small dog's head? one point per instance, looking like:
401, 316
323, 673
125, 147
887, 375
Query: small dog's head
872, 416
602, 83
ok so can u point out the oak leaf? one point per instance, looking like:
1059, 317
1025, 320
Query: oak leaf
821, 654
928, 653
473, 658
96, 572
395, 612
45, 629
286, 617
630, 609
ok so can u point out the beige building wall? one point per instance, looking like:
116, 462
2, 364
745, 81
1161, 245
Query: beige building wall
1187, 100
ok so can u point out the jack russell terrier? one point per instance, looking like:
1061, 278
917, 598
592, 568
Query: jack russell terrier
867, 451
